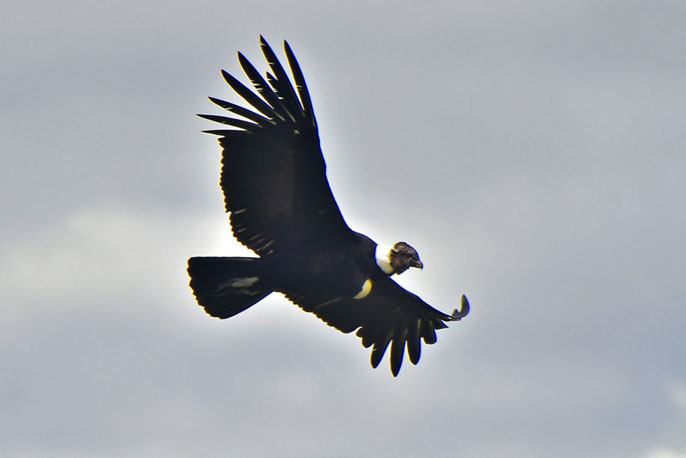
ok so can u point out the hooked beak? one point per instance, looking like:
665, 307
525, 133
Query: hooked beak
418, 264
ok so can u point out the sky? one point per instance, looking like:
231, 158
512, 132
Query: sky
532, 151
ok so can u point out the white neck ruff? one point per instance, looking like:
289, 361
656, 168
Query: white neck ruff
383, 258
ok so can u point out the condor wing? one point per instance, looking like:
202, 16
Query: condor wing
389, 315
273, 171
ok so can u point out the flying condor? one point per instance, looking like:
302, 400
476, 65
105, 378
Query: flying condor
281, 207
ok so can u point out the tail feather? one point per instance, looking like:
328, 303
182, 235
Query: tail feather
225, 287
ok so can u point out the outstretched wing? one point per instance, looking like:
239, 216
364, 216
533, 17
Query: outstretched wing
388, 315
273, 171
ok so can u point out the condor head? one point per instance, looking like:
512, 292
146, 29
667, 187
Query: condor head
398, 259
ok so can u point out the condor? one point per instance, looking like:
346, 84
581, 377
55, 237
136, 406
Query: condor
281, 207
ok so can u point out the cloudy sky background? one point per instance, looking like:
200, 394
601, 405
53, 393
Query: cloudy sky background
532, 151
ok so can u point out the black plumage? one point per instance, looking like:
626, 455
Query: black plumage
281, 207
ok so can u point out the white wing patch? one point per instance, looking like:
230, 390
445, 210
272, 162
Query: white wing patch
383, 258
243, 282
366, 289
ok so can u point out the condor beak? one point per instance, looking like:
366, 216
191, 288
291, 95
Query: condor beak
418, 264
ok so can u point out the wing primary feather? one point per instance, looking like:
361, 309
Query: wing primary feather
373, 334
240, 111
300, 84
378, 351
225, 132
438, 324
413, 343
397, 352
292, 106
263, 88
370, 339
275, 86
281, 83
250, 97
365, 336
427, 332
246, 125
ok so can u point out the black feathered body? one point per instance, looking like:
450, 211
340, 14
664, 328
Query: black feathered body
339, 267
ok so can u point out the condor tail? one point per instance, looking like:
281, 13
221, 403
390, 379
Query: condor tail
225, 287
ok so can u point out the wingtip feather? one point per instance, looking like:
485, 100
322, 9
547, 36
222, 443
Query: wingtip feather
377, 353
414, 346
397, 352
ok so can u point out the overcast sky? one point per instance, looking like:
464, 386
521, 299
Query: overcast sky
532, 151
